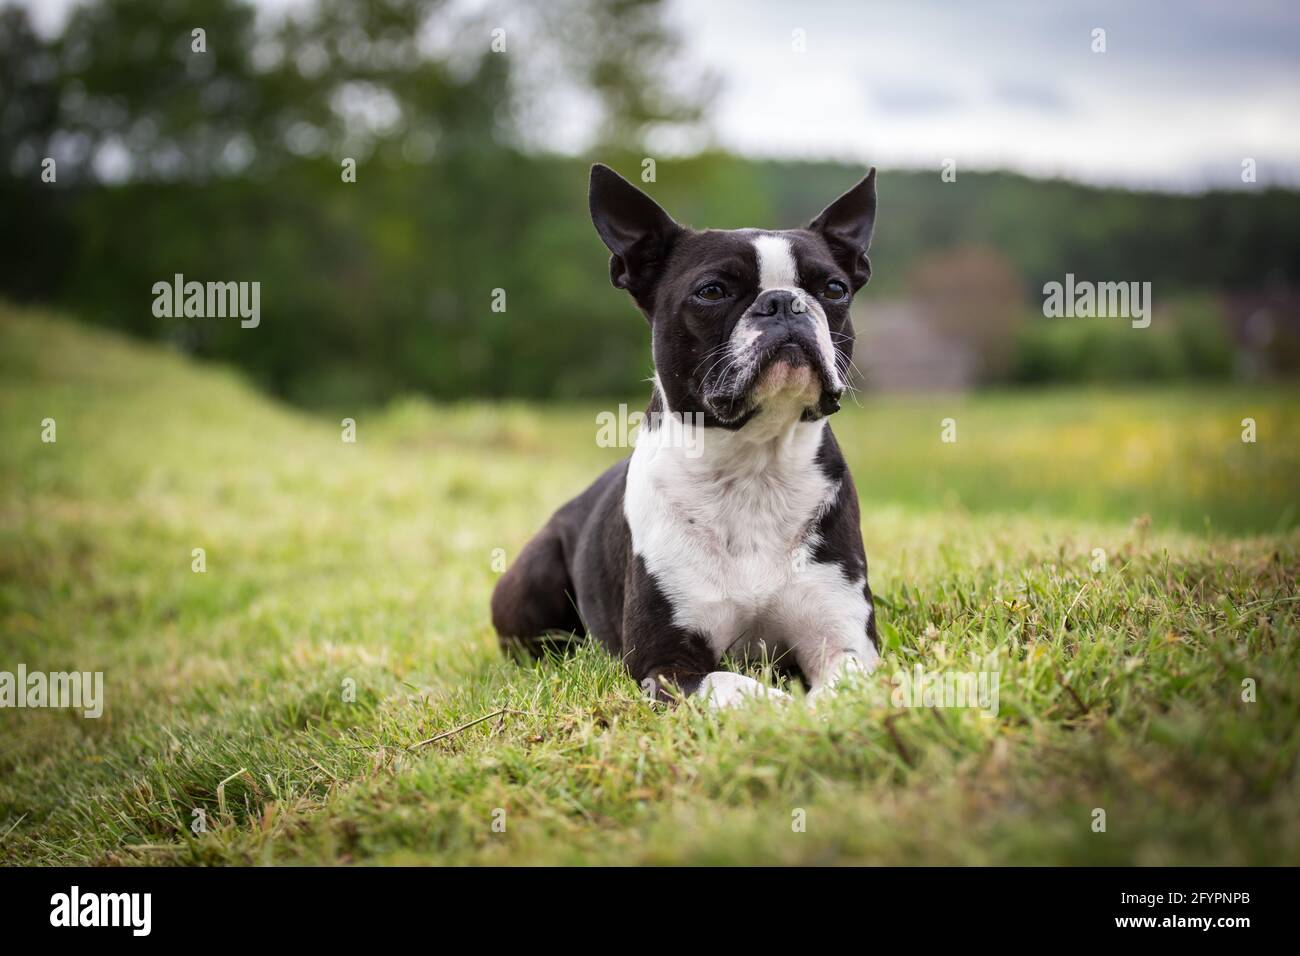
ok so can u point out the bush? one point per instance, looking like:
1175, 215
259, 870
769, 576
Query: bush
1185, 340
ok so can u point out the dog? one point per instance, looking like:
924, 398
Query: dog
733, 528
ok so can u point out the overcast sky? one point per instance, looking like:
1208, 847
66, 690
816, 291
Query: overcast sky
1185, 90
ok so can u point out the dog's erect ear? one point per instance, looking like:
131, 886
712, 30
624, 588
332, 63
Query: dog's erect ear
634, 228
847, 224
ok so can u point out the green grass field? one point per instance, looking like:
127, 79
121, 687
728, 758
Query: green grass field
331, 565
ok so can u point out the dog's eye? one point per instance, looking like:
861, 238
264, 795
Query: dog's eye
713, 292
835, 289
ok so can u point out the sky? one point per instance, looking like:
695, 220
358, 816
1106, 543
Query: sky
1185, 91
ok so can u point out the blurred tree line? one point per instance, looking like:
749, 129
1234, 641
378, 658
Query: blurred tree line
227, 164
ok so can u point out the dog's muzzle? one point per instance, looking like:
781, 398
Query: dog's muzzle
778, 337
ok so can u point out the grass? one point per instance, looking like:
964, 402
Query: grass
332, 565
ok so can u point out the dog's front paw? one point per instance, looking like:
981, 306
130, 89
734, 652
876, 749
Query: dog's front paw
848, 671
722, 689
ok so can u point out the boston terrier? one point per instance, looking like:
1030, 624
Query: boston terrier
733, 527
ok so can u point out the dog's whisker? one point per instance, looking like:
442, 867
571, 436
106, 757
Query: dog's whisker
719, 350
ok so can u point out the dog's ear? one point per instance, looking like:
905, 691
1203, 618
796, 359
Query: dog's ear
634, 228
847, 225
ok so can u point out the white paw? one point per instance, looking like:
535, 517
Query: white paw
845, 673
725, 689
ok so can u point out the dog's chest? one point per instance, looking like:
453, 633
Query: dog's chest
724, 534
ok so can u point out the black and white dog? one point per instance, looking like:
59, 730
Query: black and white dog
733, 527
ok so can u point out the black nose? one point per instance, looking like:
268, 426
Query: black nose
780, 303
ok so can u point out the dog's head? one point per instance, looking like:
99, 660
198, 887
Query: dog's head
743, 318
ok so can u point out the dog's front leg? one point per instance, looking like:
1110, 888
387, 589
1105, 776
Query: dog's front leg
671, 662
836, 634
836, 667
664, 676
668, 661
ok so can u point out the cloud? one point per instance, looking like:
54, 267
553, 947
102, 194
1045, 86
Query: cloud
1036, 95
913, 98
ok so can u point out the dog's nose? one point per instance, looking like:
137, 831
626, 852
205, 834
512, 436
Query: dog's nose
779, 303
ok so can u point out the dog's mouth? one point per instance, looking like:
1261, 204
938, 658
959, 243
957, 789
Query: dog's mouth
792, 354
789, 369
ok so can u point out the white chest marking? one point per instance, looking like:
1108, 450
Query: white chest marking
728, 534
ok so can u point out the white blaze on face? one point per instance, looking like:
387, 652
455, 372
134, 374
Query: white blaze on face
777, 269
776, 266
